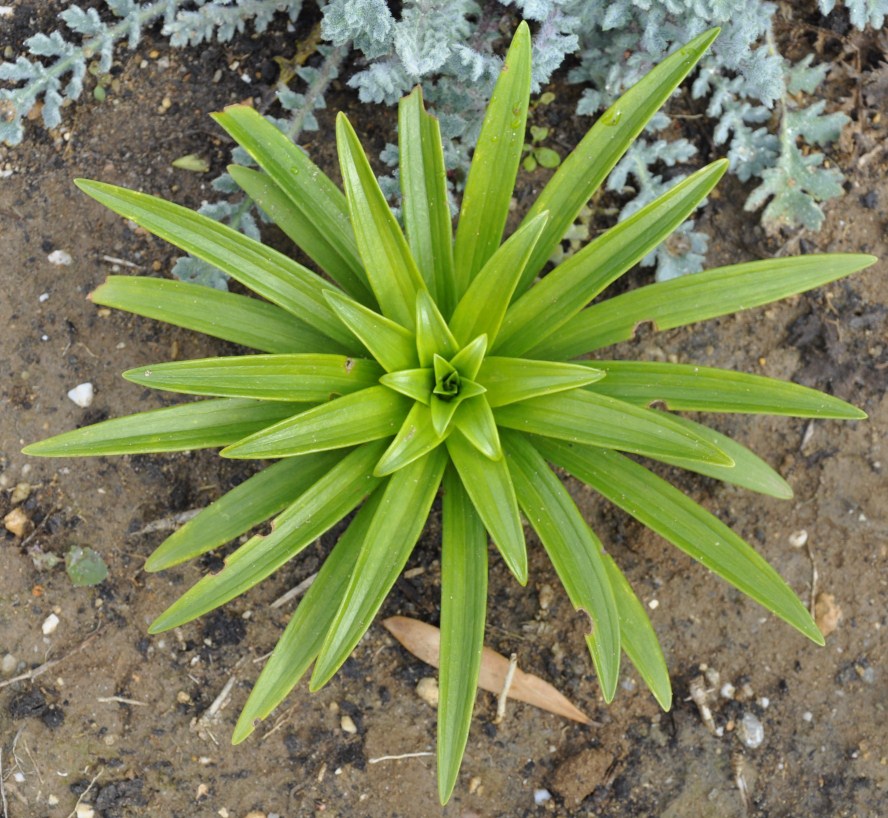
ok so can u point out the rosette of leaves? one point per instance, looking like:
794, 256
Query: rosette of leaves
427, 362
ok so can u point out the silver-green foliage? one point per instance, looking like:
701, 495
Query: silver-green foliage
430, 358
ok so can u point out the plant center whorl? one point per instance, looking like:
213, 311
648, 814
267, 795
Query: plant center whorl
447, 388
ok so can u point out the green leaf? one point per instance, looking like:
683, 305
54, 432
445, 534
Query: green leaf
321, 506
469, 359
248, 504
583, 417
389, 343
638, 638
482, 309
575, 551
318, 213
370, 414
433, 336
509, 380
265, 271
395, 528
416, 437
200, 425
681, 301
424, 197
303, 231
749, 470
706, 389
463, 611
489, 485
442, 413
581, 173
311, 378
564, 292
387, 260
236, 318
475, 420
672, 515
547, 157
85, 567
414, 383
489, 187
301, 641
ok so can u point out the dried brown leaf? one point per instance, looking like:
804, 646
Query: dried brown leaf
423, 641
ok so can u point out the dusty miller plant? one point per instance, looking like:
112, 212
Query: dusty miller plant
431, 360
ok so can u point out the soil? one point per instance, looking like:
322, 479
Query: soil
119, 720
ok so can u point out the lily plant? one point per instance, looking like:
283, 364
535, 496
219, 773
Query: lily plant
420, 363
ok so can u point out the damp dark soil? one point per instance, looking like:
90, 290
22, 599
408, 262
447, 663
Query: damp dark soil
130, 725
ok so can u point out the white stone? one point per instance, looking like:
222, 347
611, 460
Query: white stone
61, 258
82, 394
50, 624
84, 811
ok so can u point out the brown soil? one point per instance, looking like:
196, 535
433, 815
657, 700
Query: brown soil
64, 737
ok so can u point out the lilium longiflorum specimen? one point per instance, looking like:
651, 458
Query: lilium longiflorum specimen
425, 362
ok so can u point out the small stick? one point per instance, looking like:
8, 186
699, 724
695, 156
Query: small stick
168, 523
39, 671
120, 700
82, 795
814, 578
121, 261
293, 593
504, 693
398, 757
3, 788
740, 779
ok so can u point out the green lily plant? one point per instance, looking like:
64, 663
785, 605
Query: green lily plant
427, 363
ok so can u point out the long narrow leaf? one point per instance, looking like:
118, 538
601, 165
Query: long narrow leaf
255, 265
637, 636
705, 295
485, 204
393, 532
301, 641
424, 197
318, 212
200, 425
389, 343
294, 378
749, 470
370, 414
416, 437
584, 417
463, 611
321, 506
706, 389
433, 336
236, 318
303, 231
482, 309
261, 496
489, 485
510, 380
580, 174
384, 252
540, 312
665, 510
575, 552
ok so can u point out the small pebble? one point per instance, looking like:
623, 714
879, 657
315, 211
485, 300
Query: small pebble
541, 796
84, 811
82, 395
348, 725
20, 493
727, 691
43, 297
427, 690
17, 522
808, 716
654, 604
798, 538
751, 731
61, 258
546, 596
50, 624
827, 613
52, 800
255, 814
8, 664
